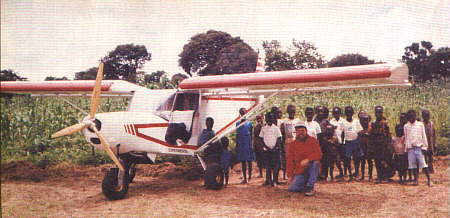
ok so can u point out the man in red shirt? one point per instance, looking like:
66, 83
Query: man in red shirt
302, 164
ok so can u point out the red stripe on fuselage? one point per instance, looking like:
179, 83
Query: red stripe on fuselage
149, 138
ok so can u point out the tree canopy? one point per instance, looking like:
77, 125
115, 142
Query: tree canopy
10, 75
425, 63
177, 78
349, 60
299, 55
52, 78
154, 77
89, 74
124, 61
216, 52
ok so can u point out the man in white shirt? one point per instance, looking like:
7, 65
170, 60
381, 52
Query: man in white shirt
337, 121
415, 144
271, 135
312, 127
350, 128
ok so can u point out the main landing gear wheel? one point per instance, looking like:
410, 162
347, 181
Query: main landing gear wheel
115, 184
214, 177
131, 172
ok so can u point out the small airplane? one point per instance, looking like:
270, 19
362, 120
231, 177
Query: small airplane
169, 122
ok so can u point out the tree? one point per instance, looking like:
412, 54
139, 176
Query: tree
51, 78
300, 55
349, 60
177, 78
306, 55
439, 63
425, 63
10, 75
154, 77
236, 58
276, 58
89, 74
216, 52
124, 61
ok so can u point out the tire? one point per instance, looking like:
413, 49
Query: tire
214, 177
131, 173
109, 185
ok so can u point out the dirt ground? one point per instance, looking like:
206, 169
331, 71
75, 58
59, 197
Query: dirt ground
166, 190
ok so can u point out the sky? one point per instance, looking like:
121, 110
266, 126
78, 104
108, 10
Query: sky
41, 38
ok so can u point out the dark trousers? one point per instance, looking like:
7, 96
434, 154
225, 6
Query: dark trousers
429, 160
384, 168
272, 163
401, 164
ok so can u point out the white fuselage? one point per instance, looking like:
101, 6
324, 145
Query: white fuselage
142, 128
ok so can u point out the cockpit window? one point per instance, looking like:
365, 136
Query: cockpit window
186, 101
177, 102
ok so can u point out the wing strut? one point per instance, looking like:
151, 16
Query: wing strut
259, 107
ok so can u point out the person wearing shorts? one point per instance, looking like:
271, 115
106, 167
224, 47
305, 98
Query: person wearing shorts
416, 145
351, 128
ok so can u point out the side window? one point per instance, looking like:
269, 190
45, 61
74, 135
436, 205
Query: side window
167, 105
186, 101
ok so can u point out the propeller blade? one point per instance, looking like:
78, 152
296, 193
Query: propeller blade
108, 148
95, 99
69, 130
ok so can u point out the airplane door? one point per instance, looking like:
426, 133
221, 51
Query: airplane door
185, 107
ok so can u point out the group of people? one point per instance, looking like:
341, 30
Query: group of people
307, 151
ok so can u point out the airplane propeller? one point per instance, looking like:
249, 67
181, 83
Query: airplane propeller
95, 100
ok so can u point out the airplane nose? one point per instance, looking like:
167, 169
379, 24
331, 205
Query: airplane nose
89, 133
97, 124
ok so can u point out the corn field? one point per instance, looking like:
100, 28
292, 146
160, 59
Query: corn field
28, 122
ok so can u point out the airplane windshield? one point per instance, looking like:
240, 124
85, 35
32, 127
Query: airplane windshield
165, 107
177, 102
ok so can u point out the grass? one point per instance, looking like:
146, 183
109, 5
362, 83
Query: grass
27, 123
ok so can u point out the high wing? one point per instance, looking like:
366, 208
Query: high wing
109, 88
265, 83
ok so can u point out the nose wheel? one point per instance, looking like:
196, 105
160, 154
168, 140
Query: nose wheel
115, 184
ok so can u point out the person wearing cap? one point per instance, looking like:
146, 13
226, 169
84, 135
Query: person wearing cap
302, 164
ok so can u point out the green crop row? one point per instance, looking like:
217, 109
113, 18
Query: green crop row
433, 96
28, 122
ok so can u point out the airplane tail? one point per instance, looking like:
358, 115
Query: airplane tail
261, 61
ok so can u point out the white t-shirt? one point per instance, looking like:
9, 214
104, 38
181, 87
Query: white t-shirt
313, 128
289, 127
270, 135
339, 128
415, 135
351, 129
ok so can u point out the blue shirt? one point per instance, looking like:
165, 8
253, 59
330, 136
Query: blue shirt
205, 136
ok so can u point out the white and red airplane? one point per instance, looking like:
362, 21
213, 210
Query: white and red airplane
169, 122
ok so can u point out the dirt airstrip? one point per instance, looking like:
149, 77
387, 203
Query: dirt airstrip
167, 190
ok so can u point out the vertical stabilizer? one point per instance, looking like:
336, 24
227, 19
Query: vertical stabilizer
261, 62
